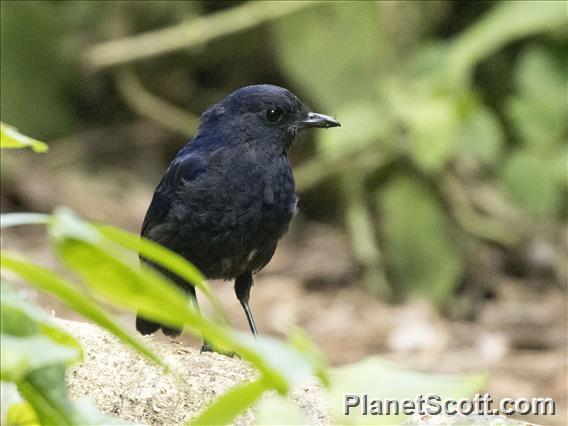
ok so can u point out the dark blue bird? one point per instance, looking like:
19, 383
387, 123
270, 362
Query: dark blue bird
228, 195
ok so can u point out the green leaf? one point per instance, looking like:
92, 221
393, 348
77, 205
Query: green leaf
34, 356
424, 259
433, 125
538, 110
122, 285
67, 226
363, 124
535, 127
15, 322
166, 258
309, 55
22, 319
380, 379
283, 366
431, 118
16, 219
64, 291
299, 340
231, 404
276, 410
481, 135
45, 389
532, 183
11, 138
10, 398
539, 76
21, 414
21, 355
29, 340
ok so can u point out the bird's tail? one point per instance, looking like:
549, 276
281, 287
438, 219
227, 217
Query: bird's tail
146, 327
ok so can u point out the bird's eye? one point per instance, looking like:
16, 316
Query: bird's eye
274, 114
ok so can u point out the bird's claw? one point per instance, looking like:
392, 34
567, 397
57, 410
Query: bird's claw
206, 347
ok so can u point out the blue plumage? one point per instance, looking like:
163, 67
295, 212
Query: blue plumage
228, 196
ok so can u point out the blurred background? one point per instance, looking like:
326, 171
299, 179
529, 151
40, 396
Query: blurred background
433, 224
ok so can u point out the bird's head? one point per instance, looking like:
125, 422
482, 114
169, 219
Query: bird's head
263, 114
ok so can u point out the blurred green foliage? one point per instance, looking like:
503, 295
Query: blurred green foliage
417, 231
35, 77
439, 102
35, 354
420, 102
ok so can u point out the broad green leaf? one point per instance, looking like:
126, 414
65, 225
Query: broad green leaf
541, 77
431, 118
16, 219
68, 225
532, 183
29, 340
277, 410
45, 389
125, 286
49, 282
9, 397
11, 138
310, 42
20, 318
231, 404
43, 405
21, 414
433, 125
481, 135
34, 358
166, 258
284, 366
299, 339
424, 259
380, 379
535, 127
539, 109
21, 355
17, 323
363, 124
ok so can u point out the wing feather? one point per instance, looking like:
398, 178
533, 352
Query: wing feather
185, 167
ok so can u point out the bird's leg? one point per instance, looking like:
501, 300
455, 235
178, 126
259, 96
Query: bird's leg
243, 283
206, 347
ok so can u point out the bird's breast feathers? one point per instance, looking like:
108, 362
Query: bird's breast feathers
245, 198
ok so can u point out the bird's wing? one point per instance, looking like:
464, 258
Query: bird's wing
186, 167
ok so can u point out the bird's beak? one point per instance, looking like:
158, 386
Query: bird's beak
313, 119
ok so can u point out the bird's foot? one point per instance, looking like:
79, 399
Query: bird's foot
206, 347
